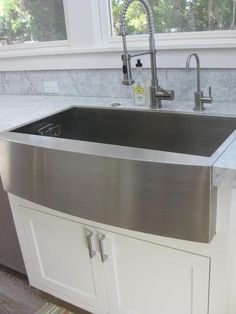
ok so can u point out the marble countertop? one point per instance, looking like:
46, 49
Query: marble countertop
224, 170
17, 110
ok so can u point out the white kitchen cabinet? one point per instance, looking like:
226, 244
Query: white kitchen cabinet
121, 275
58, 260
148, 278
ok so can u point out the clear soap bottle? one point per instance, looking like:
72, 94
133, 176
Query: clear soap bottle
139, 86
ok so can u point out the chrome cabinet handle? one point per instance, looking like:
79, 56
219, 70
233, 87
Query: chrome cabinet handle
104, 256
92, 253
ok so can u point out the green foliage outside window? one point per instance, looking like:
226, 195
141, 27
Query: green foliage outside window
178, 16
43, 20
31, 20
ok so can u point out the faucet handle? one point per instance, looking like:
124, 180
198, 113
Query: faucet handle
210, 92
210, 95
207, 99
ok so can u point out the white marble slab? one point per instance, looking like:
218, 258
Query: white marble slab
224, 170
16, 110
107, 82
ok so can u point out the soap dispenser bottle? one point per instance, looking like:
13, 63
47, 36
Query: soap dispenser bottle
139, 86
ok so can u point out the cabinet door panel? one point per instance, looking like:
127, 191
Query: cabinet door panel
147, 278
59, 258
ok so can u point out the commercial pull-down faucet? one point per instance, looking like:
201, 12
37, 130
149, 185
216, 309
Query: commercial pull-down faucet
157, 94
199, 98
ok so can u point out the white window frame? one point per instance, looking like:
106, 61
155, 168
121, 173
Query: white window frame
82, 18
36, 45
90, 44
217, 49
164, 41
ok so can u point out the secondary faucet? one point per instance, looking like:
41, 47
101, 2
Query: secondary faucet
199, 98
157, 94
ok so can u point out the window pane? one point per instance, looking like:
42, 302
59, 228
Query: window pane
178, 16
31, 21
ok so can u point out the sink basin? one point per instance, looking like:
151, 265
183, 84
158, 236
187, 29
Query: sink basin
145, 170
180, 133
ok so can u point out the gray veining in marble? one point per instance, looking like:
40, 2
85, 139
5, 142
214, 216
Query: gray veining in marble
224, 170
18, 109
107, 83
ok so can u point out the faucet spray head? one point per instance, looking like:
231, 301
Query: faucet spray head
127, 70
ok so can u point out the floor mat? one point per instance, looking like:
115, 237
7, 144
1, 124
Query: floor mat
52, 309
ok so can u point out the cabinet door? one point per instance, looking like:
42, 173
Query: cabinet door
148, 278
57, 258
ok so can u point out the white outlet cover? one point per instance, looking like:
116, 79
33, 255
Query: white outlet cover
51, 87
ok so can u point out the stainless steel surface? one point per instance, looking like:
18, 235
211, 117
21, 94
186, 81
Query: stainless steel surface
199, 98
157, 94
89, 236
144, 170
104, 256
127, 71
10, 252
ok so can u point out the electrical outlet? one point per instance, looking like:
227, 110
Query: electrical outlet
51, 87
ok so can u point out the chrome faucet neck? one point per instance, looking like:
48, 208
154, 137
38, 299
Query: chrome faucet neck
156, 92
198, 68
124, 9
199, 98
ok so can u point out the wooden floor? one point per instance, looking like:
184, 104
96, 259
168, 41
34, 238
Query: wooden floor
17, 297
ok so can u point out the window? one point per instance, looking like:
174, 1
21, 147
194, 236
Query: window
61, 34
171, 16
27, 21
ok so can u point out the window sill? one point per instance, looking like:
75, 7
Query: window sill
192, 40
170, 55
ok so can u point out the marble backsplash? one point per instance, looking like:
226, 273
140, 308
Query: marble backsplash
107, 83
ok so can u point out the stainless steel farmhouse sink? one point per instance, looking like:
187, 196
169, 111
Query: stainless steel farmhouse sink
142, 170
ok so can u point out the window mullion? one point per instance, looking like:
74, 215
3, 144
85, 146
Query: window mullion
83, 23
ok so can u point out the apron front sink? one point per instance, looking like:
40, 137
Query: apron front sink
148, 171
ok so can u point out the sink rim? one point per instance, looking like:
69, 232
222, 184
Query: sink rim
117, 151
